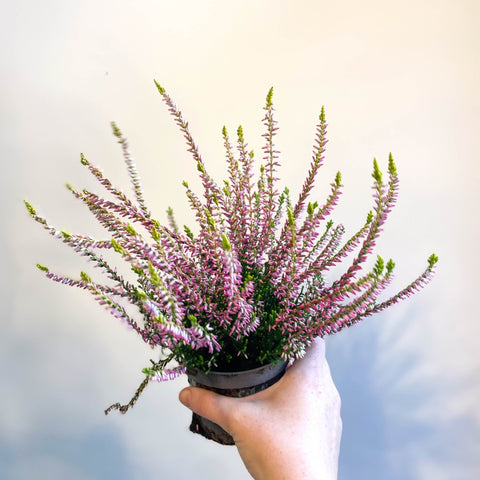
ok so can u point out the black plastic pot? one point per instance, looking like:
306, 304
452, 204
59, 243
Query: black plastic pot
231, 384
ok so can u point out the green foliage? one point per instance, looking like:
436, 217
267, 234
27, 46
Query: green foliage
116, 130
210, 220
322, 115
241, 139
390, 266
226, 243
377, 174
30, 209
392, 168
432, 260
153, 274
188, 232
85, 278
379, 266
155, 234
338, 179
270, 97
291, 218
159, 87
137, 270
117, 247
130, 230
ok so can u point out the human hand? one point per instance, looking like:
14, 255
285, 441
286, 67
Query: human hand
291, 430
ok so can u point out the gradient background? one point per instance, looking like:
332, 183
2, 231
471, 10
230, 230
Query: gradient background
393, 76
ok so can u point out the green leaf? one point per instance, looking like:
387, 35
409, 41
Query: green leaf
241, 139
137, 270
390, 266
155, 234
130, 229
116, 130
30, 209
377, 174
432, 260
210, 220
159, 87
83, 159
379, 266
269, 97
291, 219
338, 179
85, 278
226, 243
140, 294
149, 372
153, 274
117, 247
392, 168
188, 232
322, 115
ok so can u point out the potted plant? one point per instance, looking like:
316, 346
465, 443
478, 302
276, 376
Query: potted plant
247, 291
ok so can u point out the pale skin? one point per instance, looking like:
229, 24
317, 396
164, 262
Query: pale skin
291, 431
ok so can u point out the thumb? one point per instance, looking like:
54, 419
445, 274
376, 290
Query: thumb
208, 404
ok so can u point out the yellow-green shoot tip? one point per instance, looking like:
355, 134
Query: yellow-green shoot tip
376, 174
159, 87
392, 168
269, 97
115, 129
30, 209
322, 115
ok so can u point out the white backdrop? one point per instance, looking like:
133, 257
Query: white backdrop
393, 76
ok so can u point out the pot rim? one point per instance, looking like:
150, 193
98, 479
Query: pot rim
240, 379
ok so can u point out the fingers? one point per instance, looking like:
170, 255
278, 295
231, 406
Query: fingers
314, 357
213, 406
225, 411
311, 371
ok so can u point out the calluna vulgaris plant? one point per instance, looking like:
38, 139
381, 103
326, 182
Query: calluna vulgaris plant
250, 287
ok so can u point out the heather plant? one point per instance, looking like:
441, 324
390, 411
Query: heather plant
250, 287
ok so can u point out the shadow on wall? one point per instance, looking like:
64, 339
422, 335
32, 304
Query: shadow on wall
392, 427
98, 454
